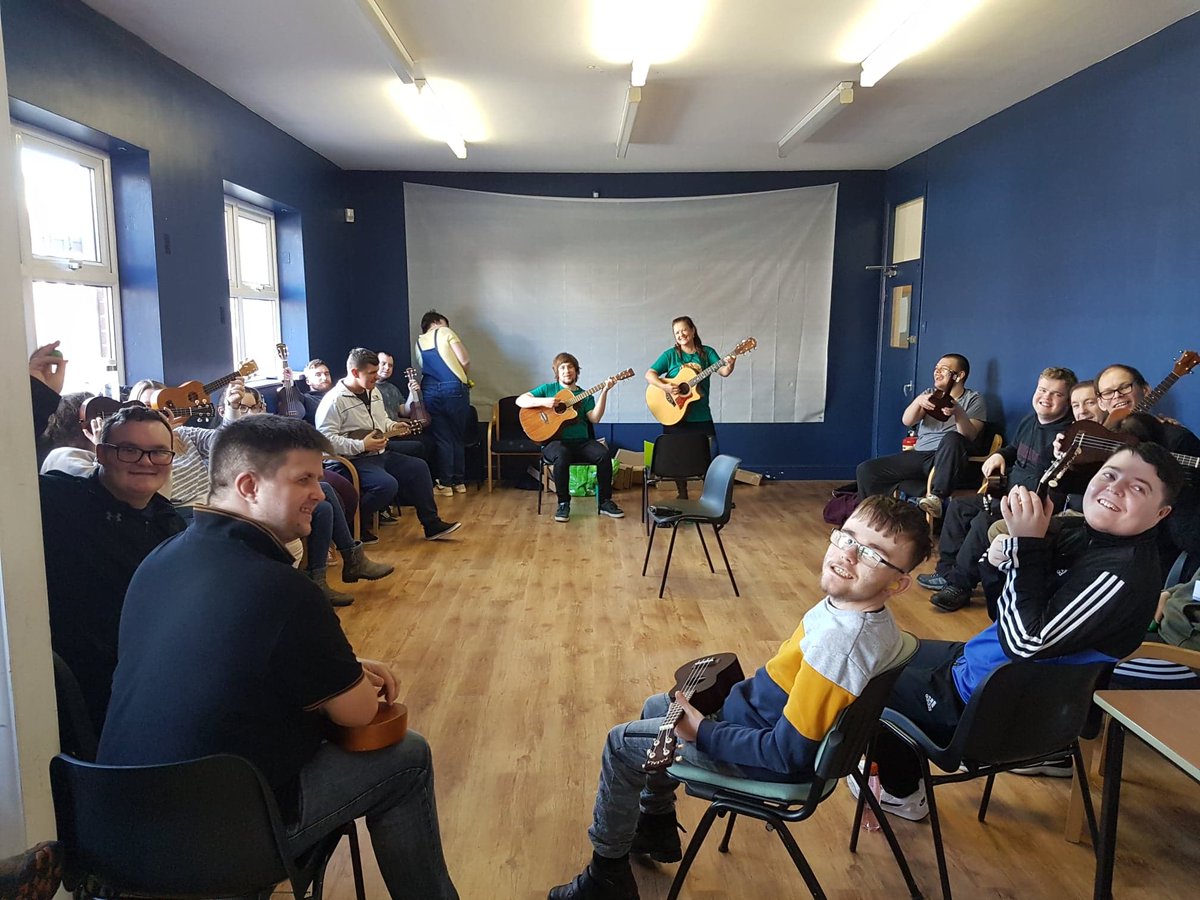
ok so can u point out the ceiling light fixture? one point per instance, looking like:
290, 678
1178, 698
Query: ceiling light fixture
633, 97
927, 25
436, 114
401, 60
816, 118
640, 71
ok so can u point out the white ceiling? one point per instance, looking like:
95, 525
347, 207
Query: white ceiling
531, 94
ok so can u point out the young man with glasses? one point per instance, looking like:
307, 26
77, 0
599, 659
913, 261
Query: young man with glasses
96, 530
771, 725
944, 444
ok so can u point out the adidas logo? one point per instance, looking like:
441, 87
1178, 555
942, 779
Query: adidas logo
930, 703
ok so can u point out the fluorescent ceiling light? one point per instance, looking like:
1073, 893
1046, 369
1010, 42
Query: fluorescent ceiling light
399, 57
438, 120
816, 118
927, 24
644, 31
633, 97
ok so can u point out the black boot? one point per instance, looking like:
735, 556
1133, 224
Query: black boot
603, 879
657, 836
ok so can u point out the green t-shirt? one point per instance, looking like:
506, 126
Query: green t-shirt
669, 364
577, 428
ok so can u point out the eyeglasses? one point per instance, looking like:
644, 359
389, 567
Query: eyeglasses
872, 558
943, 370
1121, 389
127, 453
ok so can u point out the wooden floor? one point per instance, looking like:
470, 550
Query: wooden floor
521, 641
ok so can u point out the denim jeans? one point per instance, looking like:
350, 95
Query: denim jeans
625, 789
393, 788
447, 404
328, 523
389, 476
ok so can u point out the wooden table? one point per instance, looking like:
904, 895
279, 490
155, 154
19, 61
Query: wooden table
1169, 721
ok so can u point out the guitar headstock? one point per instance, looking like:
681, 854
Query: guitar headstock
1187, 361
281, 349
248, 367
102, 407
662, 752
1051, 477
621, 376
744, 346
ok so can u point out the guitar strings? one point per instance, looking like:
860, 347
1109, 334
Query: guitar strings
674, 711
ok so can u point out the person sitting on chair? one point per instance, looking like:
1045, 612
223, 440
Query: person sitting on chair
944, 444
771, 725
964, 531
574, 443
1095, 610
219, 616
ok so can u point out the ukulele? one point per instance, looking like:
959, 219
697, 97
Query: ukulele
1097, 442
389, 727
103, 407
542, 423
288, 401
416, 406
191, 394
398, 429
703, 682
669, 408
943, 403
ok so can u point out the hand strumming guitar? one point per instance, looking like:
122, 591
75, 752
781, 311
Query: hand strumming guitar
993, 465
382, 678
374, 442
1025, 513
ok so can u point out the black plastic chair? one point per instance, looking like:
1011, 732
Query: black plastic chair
204, 828
506, 437
1024, 713
778, 803
712, 508
678, 456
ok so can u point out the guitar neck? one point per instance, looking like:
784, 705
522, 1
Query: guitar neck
692, 382
579, 398
1151, 399
1093, 442
221, 382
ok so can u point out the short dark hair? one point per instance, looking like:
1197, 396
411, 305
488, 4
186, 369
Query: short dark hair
1090, 383
1169, 471
1138, 377
430, 317
259, 444
961, 361
127, 414
316, 362
1060, 373
892, 517
564, 358
360, 357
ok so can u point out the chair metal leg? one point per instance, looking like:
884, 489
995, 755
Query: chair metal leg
914, 892
649, 547
1085, 790
987, 795
793, 849
724, 847
700, 533
667, 565
489, 456
863, 789
693, 847
541, 484
360, 891
936, 827
728, 568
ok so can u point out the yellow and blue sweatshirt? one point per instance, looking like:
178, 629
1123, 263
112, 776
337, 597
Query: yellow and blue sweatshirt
773, 722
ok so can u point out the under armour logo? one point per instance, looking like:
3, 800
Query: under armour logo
930, 703
112, 516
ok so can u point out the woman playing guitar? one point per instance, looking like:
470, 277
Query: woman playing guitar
689, 350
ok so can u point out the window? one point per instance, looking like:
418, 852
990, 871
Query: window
68, 256
253, 285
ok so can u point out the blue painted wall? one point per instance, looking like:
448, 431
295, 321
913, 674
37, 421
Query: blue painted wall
1066, 229
185, 138
827, 450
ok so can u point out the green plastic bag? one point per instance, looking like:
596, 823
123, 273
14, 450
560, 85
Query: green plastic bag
583, 480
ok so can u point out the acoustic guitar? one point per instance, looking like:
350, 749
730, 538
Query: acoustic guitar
389, 727
703, 682
173, 401
670, 408
542, 423
1187, 361
288, 400
103, 407
416, 408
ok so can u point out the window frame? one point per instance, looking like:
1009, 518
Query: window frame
240, 290
103, 273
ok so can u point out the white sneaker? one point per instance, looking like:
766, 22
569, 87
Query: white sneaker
914, 807
442, 490
1058, 768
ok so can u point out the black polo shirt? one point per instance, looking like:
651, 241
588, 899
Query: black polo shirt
93, 543
225, 648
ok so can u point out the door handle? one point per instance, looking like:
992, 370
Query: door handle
908, 389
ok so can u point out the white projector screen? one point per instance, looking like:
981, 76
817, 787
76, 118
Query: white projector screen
524, 278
